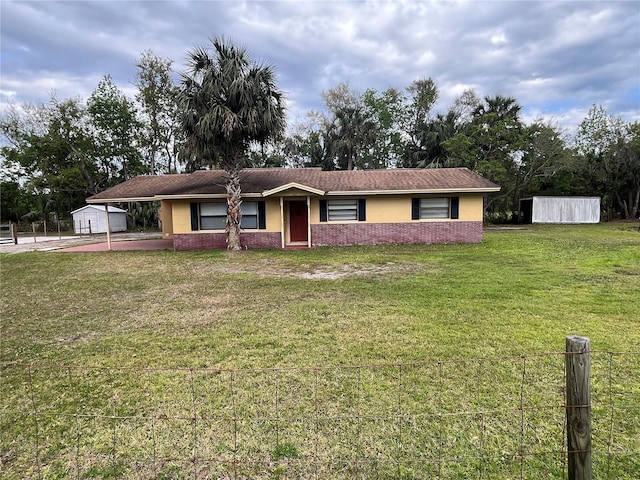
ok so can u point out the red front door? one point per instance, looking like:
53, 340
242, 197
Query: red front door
298, 221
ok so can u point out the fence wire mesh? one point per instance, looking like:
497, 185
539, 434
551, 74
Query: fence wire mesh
488, 418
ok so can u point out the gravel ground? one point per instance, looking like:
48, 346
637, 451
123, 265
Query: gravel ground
43, 244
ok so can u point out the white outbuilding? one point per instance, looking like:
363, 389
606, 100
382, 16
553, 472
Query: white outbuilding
560, 210
93, 219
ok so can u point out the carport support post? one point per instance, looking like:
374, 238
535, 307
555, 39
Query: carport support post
106, 210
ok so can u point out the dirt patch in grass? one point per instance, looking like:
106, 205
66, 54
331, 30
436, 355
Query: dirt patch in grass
627, 271
315, 272
355, 270
79, 337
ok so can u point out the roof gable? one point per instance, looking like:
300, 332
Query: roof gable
292, 186
99, 208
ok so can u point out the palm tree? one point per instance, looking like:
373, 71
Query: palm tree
228, 103
502, 108
350, 134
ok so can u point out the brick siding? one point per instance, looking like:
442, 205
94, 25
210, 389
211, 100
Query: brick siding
346, 234
206, 241
396, 233
261, 239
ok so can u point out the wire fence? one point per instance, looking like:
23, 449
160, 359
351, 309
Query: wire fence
483, 418
14, 232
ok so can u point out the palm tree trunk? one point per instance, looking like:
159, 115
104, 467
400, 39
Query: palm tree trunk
234, 216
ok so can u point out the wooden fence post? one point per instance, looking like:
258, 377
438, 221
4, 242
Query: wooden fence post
578, 408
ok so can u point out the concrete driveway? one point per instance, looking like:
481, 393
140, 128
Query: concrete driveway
122, 245
88, 243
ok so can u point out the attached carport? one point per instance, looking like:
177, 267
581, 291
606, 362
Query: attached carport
144, 188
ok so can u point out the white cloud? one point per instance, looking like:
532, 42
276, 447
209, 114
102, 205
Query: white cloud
48, 83
498, 39
583, 27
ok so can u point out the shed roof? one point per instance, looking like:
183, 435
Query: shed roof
268, 181
99, 208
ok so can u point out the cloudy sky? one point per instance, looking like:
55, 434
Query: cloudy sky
557, 58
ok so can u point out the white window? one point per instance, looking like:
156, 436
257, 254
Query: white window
213, 216
342, 210
249, 215
436, 207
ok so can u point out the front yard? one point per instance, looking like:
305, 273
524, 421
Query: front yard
519, 293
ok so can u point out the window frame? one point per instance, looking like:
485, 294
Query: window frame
420, 212
214, 217
359, 208
247, 215
256, 215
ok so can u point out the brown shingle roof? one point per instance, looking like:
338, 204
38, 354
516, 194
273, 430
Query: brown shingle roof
144, 187
259, 180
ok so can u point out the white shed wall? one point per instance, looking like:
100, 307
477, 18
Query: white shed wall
566, 210
81, 218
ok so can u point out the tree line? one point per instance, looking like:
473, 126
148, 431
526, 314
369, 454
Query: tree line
56, 154
401, 129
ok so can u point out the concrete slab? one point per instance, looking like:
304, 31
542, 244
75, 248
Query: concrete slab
122, 245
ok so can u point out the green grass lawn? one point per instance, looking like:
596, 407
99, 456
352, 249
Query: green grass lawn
518, 293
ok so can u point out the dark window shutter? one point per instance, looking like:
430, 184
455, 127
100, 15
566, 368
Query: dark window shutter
323, 210
262, 217
415, 209
455, 207
362, 210
194, 217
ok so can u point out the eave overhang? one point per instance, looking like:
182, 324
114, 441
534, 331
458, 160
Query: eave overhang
202, 196
439, 191
102, 201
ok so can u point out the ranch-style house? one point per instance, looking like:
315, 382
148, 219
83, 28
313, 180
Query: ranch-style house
308, 207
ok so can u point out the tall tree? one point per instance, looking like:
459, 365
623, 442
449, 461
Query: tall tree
346, 130
423, 94
350, 134
355, 131
14, 201
609, 155
304, 144
465, 105
229, 102
545, 155
53, 146
386, 111
157, 96
117, 131
492, 145
338, 98
429, 151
